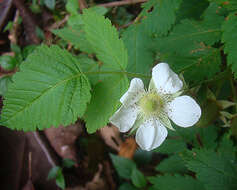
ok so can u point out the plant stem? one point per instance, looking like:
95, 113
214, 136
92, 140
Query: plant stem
120, 3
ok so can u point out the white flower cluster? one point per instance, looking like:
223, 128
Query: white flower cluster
149, 112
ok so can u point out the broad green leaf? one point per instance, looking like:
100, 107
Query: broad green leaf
138, 179
110, 50
229, 37
76, 36
90, 67
104, 101
160, 20
177, 182
172, 164
212, 169
123, 166
50, 90
104, 40
138, 44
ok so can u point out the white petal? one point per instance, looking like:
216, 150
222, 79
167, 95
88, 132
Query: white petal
134, 93
184, 111
151, 134
166, 81
124, 118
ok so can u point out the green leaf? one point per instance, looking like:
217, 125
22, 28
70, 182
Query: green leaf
4, 83
212, 169
127, 186
111, 51
68, 163
191, 9
76, 36
50, 4
138, 179
172, 164
72, 6
138, 44
228, 4
104, 40
104, 101
60, 181
177, 182
90, 67
123, 166
53, 172
171, 146
226, 148
50, 90
208, 137
204, 65
191, 34
229, 37
162, 17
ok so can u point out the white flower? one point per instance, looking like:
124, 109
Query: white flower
149, 112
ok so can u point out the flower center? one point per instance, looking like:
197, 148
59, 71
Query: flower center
151, 104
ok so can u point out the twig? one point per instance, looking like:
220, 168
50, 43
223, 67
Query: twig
44, 149
13, 33
28, 21
58, 24
82, 4
120, 3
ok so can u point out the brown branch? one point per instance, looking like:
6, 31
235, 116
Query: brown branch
121, 3
28, 21
82, 4
45, 148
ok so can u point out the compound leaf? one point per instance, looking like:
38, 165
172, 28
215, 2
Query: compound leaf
215, 171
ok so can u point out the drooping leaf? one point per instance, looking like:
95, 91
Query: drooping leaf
229, 37
178, 182
212, 169
50, 90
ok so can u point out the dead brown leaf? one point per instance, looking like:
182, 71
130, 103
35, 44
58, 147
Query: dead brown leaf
128, 148
62, 139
